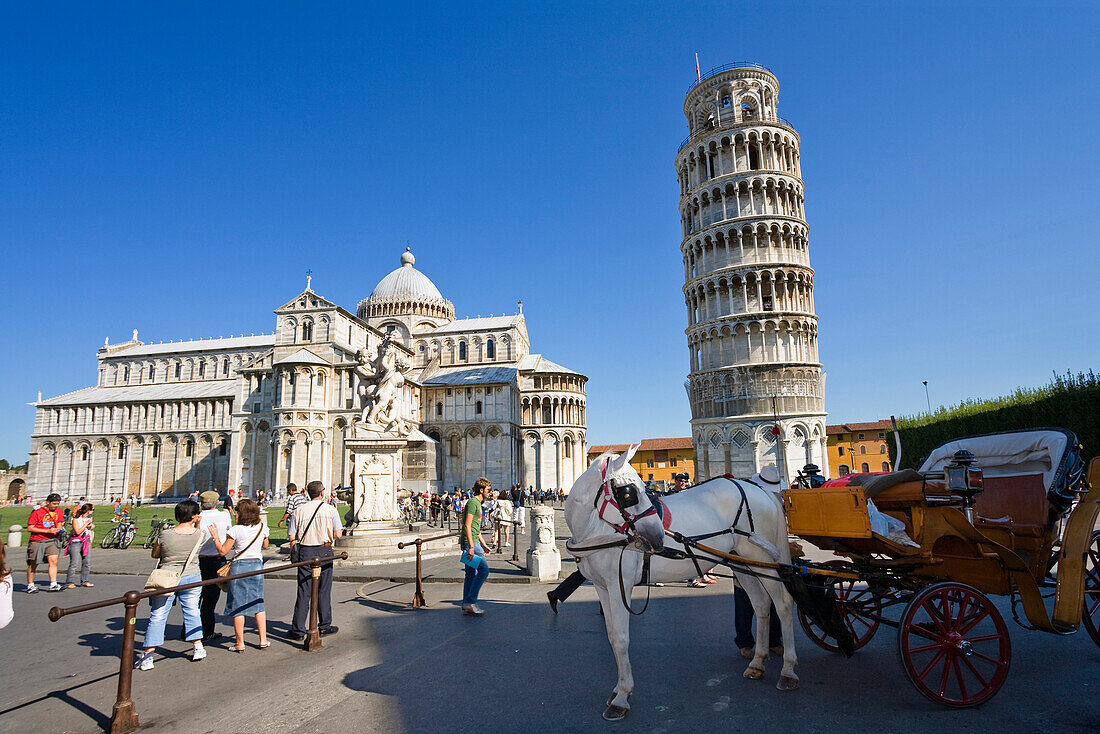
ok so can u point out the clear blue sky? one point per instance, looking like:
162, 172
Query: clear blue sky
176, 168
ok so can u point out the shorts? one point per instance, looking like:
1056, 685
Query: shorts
37, 550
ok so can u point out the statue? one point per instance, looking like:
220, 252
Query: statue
381, 385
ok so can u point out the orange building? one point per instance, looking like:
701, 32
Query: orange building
656, 460
858, 447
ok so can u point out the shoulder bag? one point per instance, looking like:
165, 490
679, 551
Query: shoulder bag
296, 549
224, 570
164, 578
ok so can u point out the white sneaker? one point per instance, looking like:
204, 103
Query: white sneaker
199, 653
145, 662
32, 589
54, 587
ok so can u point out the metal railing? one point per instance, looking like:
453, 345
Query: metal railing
124, 716
729, 122
418, 595
727, 67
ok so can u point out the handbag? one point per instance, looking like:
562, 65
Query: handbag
296, 549
224, 570
164, 578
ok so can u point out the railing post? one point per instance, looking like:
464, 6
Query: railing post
313, 636
515, 541
418, 595
124, 716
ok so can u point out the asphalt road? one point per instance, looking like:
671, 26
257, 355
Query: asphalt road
518, 669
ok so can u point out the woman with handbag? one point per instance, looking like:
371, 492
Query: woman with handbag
178, 551
246, 539
79, 546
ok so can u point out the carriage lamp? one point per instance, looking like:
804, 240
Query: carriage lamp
964, 478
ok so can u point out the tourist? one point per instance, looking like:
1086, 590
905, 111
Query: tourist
45, 525
246, 539
177, 548
293, 502
445, 510
7, 585
433, 504
503, 517
314, 526
473, 549
79, 547
210, 560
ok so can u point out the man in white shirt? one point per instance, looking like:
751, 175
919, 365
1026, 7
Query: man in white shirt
314, 526
210, 560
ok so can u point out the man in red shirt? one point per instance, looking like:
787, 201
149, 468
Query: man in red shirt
45, 525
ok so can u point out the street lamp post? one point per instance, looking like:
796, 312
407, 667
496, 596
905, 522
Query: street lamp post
926, 400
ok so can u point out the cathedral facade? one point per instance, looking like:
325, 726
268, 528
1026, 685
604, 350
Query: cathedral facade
254, 413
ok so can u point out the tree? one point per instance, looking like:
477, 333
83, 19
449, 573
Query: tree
4, 465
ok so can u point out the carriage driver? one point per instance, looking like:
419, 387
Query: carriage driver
679, 482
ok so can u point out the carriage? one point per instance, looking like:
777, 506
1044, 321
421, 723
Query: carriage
1005, 514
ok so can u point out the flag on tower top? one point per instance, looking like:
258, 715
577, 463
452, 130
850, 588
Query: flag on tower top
698, 76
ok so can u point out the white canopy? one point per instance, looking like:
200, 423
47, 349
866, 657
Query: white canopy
1007, 454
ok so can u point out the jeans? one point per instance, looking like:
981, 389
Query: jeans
159, 606
208, 602
76, 560
475, 576
744, 626
300, 622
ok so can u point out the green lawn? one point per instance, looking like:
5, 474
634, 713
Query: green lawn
142, 515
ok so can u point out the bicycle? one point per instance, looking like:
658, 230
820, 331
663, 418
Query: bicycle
120, 536
154, 534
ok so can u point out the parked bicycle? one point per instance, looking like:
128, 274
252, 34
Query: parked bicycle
120, 536
154, 534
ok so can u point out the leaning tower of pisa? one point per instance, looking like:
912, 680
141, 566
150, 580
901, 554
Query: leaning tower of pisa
748, 284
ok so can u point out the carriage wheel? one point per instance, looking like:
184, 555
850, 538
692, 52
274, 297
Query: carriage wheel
954, 645
855, 599
1090, 616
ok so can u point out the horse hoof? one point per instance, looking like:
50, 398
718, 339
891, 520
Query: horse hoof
787, 683
754, 673
614, 713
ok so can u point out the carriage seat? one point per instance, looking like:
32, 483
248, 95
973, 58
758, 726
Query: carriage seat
1021, 499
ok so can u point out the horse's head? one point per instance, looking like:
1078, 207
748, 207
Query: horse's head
622, 485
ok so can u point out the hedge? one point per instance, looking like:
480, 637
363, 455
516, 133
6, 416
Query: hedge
1069, 401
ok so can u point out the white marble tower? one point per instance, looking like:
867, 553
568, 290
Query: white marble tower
748, 284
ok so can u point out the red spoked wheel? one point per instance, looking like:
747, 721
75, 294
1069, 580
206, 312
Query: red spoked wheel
1090, 615
855, 601
954, 645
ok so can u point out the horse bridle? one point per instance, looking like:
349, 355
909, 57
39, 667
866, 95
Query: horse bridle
620, 498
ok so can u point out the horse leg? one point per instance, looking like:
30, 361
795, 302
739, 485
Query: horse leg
784, 607
761, 607
617, 620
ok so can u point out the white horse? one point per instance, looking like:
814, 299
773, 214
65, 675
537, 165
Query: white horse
609, 500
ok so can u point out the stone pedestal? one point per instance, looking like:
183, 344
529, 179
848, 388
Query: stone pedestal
377, 464
15, 536
543, 559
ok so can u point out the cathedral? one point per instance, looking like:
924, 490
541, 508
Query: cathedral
255, 413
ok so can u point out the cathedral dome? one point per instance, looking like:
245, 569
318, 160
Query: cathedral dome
406, 291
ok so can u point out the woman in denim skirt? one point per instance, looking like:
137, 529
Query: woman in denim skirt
246, 540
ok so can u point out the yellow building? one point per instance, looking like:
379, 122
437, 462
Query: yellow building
656, 460
858, 447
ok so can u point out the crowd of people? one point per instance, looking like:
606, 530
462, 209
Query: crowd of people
213, 536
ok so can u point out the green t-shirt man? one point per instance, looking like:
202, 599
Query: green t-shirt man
472, 508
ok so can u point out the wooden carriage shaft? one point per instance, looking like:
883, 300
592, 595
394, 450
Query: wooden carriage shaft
850, 575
